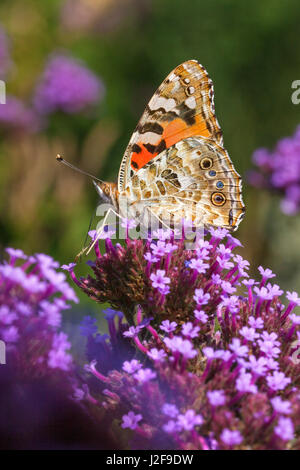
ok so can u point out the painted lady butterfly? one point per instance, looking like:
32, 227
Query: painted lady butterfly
175, 164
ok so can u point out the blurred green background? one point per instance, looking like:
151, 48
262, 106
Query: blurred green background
251, 51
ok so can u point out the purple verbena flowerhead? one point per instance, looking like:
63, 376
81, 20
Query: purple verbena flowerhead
66, 85
32, 301
279, 172
208, 365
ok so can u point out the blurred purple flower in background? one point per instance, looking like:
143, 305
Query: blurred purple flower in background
67, 85
32, 297
16, 116
38, 378
280, 171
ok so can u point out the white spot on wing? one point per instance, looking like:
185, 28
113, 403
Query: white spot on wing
190, 102
160, 102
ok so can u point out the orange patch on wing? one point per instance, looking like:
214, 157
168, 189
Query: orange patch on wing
178, 130
138, 160
174, 131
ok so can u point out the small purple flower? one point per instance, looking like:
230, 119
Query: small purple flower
200, 297
151, 258
216, 279
274, 290
170, 410
263, 293
132, 332
237, 348
189, 420
218, 233
231, 438
295, 319
256, 323
16, 253
231, 303
159, 280
281, 406
183, 346
68, 267
131, 366
249, 333
266, 273
227, 287
189, 330
10, 334
6, 316
224, 263
160, 248
284, 429
171, 427
24, 309
128, 223
168, 326
241, 262
92, 234
131, 420
162, 234
223, 251
201, 316
269, 344
244, 383
293, 298
278, 381
257, 366
216, 397
144, 375
198, 265
157, 354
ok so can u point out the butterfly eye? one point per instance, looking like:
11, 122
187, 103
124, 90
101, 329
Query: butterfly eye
206, 163
218, 199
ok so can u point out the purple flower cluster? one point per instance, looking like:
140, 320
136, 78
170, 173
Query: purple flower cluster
32, 296
280, 171
67, 85
216, 367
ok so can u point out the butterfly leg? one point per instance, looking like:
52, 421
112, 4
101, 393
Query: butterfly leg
101, 229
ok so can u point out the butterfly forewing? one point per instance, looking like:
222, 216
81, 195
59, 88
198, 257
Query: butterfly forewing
182, 107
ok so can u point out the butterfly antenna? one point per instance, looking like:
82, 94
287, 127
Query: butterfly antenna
60, 159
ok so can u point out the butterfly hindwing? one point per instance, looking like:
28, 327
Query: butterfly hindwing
193, 179
182, 107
